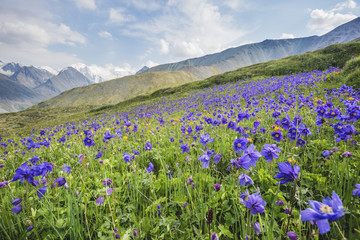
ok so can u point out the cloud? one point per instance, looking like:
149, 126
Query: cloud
322, 21
287, 36
150, 64
119, 16
103, 73
26, 36
164, 46
188, 28
105, 34
86, 4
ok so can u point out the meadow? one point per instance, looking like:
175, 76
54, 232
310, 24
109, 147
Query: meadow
272, 157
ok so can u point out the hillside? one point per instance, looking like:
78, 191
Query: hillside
117, 90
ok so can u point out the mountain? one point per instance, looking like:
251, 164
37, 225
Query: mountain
121, 89
66, 79
9, 69
30, 76
143, 69
15, 97
233, 58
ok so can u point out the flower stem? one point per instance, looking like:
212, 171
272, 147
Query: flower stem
340, 231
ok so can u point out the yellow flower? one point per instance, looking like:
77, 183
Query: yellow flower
278, 128
191, 123
125, 137
154, 176
249, 139
351, 98
290, 160
259, 119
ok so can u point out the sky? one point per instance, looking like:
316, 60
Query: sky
128, 34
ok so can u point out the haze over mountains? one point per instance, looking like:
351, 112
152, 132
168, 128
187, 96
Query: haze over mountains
23, 86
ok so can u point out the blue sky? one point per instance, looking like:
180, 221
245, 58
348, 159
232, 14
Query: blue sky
128, 34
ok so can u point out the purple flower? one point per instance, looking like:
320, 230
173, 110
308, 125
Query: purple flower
292, 235
150, 168
300, 142
205, 138
16, 201
257, 228
127, 157
2, 165
287, 172
270, 152
66, 169
323, 213
244, 180
252, 154
326, 153
279, 203
277, 136
136, 233
23, 173
109, 191
217, 158
244, 161
240, 144
190, 180
34, 160
205, 159
214, 236
107, 182
356, 191
185, 148
100, 200
89, 142
41, 192
347, 154
29, 228
99, 155
255, 203
185, 204
217, 187
3, 184
148, 146
17, 209
61, 181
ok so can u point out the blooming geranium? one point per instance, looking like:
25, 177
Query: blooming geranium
356, 191
255, 203
244, 180
277, 136
205, 138
270, 152
240, 144
148, 146
323, 213
150, 168
287, 172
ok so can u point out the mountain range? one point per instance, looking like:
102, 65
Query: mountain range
80, 84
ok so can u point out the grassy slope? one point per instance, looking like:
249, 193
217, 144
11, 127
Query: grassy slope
117, 90
334, 55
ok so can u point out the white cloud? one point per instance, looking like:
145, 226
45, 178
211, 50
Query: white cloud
145, 4
188, 28
26, 35
87, 4
164, 46
119, 16
322, 21
287, 36
150, 64
105, 34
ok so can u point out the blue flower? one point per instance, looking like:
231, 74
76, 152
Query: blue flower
257, 228
34, 159
41, 192
214, 236
323, 213
61, 181
300, 142
292, 235
23, 173
252, 154
185, 148
217, 158
17, 209
217, 187
287, 172
100, 200
99, 155
107, 137
277, 136
16, 201
150, 168
127, 157
89, 142
148, 146
270, 152
244, 180
205, 159
255, 203
240, 144
356, 191
205, 138
66, 169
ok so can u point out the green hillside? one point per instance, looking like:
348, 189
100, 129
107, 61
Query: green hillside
85, 101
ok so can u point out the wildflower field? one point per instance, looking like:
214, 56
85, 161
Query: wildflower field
266, 158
